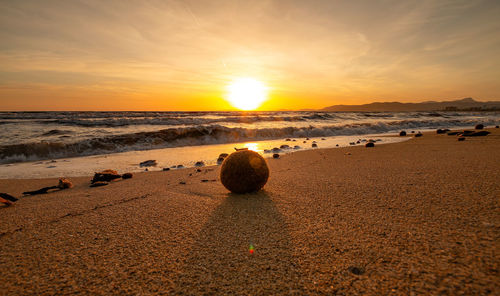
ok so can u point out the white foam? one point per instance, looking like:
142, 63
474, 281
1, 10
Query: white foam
167, 157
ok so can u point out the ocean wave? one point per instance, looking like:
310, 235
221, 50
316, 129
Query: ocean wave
167, 121
180, 119
211, 134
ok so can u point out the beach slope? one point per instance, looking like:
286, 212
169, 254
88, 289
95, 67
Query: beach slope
412, 218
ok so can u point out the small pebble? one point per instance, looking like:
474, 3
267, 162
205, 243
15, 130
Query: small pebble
148, 163
276, 155
355, 270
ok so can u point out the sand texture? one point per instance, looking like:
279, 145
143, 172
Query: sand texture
419, 217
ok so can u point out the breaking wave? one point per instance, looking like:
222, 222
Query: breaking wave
209, 134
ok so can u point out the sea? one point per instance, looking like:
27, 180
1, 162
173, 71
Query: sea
56, 144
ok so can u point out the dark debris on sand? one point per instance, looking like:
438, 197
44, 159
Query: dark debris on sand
105, 176
63, 184
8, 197
99, 184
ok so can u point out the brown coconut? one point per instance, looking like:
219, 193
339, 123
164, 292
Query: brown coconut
244, 171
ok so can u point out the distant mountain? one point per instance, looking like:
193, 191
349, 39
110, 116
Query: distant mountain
467, 104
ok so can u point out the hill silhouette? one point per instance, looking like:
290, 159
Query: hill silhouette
466, 104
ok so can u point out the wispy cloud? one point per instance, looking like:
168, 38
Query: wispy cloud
331, 50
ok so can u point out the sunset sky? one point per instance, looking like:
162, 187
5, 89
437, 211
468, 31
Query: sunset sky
181, 55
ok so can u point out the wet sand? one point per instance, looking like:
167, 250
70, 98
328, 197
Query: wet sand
413, 218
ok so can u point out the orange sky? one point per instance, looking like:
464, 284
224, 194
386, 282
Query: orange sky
180, 55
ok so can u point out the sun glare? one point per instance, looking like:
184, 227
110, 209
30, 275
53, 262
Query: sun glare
246, 93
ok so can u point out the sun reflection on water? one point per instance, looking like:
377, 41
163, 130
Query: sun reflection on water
253, 147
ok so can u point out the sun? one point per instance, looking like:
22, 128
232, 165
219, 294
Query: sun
246, 93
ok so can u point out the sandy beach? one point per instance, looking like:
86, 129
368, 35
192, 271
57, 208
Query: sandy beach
420, 217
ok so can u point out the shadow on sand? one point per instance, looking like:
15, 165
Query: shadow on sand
220, 261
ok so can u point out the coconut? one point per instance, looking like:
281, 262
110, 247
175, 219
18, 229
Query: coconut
244, 171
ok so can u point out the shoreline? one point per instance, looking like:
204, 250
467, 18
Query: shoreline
167, 157
415, 217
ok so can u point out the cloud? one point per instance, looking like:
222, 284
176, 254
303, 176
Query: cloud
347, 49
